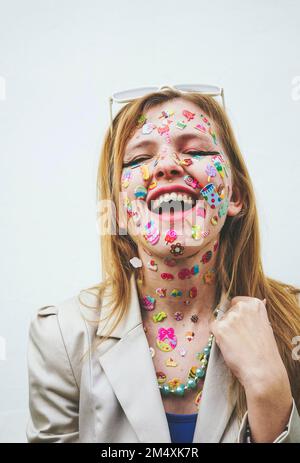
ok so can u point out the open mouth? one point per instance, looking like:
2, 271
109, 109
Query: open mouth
172, 203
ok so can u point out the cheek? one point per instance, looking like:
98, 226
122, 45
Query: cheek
133, 184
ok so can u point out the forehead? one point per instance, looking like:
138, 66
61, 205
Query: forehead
177, 110
178, 105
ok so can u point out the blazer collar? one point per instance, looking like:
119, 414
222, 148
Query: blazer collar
136, 368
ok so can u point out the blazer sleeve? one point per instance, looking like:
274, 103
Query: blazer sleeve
53, 391
290, 435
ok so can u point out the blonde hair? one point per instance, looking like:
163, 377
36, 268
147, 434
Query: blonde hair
239, 266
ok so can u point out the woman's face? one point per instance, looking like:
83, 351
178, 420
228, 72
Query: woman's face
176, 181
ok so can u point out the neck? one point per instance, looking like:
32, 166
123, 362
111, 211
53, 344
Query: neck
187, 287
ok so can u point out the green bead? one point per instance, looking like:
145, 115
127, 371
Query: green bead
191, 384
200, 372
206, 350
165, 390
180, 390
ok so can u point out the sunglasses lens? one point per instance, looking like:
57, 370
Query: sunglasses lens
133, 93
199, 88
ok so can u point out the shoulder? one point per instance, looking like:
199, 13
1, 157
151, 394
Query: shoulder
66, 329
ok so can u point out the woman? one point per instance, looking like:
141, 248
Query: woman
186, 339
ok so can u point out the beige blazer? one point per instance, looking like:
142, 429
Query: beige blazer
113, 395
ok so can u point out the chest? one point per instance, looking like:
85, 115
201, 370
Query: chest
176, 365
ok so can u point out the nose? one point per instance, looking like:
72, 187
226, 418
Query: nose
167, 168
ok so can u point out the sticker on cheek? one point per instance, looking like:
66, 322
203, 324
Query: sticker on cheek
210, 194
191, 181
210, 171
223, 208
125, 178
145, 172
140, 192
218, 165
151, 233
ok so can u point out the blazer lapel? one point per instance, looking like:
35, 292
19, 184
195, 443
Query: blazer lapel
215, 408
129, 367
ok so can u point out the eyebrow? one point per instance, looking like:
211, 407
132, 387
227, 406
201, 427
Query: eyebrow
178, 138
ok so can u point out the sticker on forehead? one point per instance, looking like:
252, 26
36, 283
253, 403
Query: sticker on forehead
188, 114
181, 125
166, 114
148, 128
141, 121
200, 127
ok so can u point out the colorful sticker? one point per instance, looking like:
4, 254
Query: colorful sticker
126, 175
196, 232
172, 363
178, 316
181, 125
141, 121
189, 335
159, 317
193, 292
170, 261
209, 277
166, 114
148, 128
201, 212
211, 171
152, 265
145, 172
166, 339
217, 160
148, 302
177, 249
210, 194
223, 208
201, 128
176, 292
191, 181
190, 116
167, 276
140, 192
214, 219
136, 262
161, 377
152, 185
151, 233
171, 236
161, 292
206, 257
184, 273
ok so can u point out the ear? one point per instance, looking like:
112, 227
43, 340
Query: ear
235, 203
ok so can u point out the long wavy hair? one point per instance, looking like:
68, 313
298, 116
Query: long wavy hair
239, 266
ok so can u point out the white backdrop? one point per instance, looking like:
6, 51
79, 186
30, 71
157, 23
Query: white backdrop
59, 62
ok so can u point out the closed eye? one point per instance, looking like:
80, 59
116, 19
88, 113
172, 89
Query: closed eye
203, 153
135, 162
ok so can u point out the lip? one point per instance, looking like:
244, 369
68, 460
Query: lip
171, 189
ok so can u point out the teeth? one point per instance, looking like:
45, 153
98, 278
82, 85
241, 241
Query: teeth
188, 199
